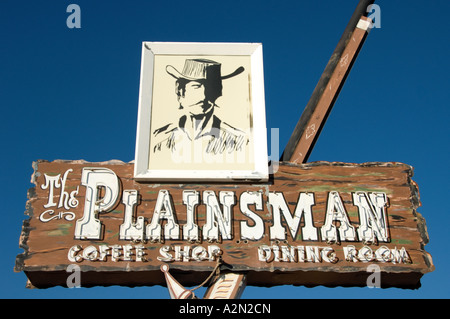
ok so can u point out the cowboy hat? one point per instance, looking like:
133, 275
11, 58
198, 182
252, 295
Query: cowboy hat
201, 69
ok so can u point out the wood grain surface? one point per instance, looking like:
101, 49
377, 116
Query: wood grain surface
47, 244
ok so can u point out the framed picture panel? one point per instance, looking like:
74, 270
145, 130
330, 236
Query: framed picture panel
201, 113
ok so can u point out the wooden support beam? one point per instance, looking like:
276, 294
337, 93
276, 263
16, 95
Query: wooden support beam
231, 285
227, 286
327, 90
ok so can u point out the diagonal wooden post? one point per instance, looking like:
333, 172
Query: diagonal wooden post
226, 286
327, 90
231, 285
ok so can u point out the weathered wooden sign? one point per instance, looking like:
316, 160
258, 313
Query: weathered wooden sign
310, 224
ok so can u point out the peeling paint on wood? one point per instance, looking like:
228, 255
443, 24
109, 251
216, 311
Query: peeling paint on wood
46, 244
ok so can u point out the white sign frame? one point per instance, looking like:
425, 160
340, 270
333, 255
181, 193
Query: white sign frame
257, 167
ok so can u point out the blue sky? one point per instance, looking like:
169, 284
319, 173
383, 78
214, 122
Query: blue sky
73, 94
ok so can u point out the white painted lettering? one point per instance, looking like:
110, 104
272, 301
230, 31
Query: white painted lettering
190, 230
255, 232
372, 216
163, 210
216, 220
131, 230
89, 226
303, 208
336, 212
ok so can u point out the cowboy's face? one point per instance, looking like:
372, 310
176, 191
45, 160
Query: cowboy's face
193, 98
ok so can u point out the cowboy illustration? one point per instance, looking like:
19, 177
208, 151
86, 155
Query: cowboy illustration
197, 87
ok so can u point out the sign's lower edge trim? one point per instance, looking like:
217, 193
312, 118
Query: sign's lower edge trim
48, 279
